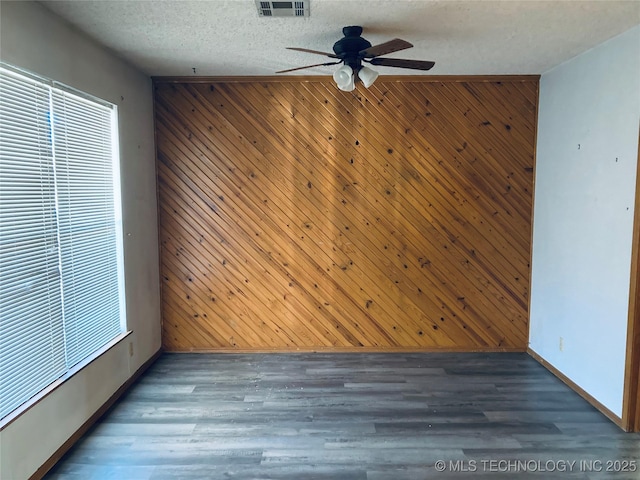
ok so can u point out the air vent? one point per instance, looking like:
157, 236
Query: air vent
283, 9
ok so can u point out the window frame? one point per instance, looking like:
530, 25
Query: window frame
54, 87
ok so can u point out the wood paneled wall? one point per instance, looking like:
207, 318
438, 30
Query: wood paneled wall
296, 216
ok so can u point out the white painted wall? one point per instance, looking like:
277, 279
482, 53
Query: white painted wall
34, 39
587, 155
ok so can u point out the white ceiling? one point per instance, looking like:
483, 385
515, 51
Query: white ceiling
227, 37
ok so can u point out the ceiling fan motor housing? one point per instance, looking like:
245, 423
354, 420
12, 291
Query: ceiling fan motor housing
349, 47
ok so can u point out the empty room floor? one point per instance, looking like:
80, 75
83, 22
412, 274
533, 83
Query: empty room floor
351, 416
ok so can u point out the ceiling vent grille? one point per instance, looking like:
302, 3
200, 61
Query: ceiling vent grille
283, 9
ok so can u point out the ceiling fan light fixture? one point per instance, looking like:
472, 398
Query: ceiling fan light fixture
367, 76
352, 50
344, 78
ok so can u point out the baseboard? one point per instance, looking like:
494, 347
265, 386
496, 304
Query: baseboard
352, 350
84, 428
573, 386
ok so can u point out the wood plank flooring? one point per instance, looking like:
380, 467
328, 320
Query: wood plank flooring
353, 417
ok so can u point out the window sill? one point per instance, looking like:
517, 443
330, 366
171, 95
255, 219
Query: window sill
25, 407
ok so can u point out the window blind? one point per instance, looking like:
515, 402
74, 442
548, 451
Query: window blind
83, 157
61, 289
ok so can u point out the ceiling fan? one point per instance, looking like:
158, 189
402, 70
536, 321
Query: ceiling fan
353, 50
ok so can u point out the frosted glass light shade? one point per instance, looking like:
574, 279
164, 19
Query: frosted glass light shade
367, 76
344, 78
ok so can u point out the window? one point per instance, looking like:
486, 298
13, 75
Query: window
61, 272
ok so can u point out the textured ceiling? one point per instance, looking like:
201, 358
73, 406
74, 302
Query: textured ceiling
227, 37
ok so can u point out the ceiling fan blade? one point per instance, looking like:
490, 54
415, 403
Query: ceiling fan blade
402, 63
332, 55
391, 46
309, 66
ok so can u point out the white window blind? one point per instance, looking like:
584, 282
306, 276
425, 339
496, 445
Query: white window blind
61, 282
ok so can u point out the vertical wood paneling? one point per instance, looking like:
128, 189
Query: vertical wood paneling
294, 215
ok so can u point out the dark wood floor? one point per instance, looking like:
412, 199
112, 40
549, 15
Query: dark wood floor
351, 416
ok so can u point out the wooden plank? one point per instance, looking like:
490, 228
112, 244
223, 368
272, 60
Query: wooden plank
390, 230
344, 416
319, 185
409, 197
248, 213
321, 219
